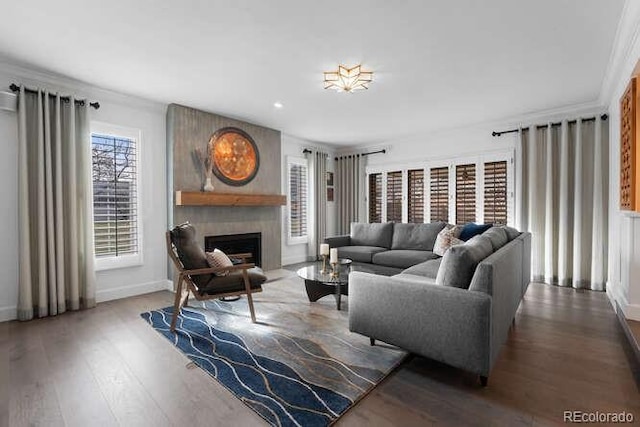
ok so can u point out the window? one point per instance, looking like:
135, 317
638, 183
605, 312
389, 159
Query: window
394, 196
474, 188
298, 200
415, 202
495, 192
465, 193
116, 228
375, 197
439, 194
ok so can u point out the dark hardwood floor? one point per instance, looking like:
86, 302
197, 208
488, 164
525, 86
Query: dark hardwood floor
107, 367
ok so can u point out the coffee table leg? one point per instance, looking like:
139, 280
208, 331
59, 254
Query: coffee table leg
316, 290
338, 296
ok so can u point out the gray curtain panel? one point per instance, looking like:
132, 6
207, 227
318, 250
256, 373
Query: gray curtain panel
350, 188
56, 271
562, 194
319, 167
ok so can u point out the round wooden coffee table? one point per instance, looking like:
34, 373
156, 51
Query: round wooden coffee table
320, 284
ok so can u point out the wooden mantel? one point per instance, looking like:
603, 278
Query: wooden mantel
201, 198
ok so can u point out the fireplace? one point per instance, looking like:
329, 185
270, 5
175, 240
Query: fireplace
237, 244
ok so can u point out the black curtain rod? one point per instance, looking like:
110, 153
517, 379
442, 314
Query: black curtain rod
589, 119
364, 154
15, 88
307, 151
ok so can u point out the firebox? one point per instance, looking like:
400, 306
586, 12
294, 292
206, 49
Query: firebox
237, 244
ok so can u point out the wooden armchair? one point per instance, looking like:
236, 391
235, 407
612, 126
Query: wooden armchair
196, 277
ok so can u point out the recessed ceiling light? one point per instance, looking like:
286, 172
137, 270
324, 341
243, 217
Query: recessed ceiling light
278, 104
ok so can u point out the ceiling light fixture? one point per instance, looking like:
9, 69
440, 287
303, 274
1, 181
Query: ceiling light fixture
347, 79
278, 104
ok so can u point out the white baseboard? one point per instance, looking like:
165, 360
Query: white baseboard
11, 312
8, 313
630, 311
294, 259
132, 290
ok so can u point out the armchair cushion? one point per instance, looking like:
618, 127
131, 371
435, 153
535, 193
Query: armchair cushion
234, 282
190, 252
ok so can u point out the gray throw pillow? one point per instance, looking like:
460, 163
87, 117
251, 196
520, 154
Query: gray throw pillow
498, 237
512, 233
459, 262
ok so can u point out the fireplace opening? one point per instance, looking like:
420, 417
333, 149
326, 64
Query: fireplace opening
237, 244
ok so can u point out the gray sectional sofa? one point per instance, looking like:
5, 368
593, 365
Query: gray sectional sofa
388, 244
456, 309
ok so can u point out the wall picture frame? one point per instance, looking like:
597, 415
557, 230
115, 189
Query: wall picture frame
329, 179
329, 194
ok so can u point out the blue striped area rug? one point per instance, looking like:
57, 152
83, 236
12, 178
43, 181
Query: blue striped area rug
298, 366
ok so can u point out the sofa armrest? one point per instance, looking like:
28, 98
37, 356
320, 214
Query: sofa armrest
338, 241
447, 324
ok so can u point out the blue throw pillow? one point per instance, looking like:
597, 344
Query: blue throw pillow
471, 229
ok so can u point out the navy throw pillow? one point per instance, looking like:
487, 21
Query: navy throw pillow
471, 229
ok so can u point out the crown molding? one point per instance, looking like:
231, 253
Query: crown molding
618, 68
34, 76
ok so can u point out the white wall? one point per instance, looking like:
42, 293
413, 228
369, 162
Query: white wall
623, 286
117, 109
450, 143
292, 146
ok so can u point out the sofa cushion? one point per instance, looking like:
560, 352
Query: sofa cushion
471, 229
426, 269
512, 233
446, 238
459, 263
419, 237
415, 279
402, 258
363, 234
359, 253
190, 252
498, 237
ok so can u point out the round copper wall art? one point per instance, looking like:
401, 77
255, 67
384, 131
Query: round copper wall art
234, 156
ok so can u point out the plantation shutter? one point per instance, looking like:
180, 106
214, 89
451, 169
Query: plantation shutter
415, 203
115, 195
298, 200
465, 193
439, 194
495, 192
375, 197
394, 196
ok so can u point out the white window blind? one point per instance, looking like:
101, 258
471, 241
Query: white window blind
439, 194
495, 192
298, 200
465, 193
375, 197
394, 196
415, 203
115, 195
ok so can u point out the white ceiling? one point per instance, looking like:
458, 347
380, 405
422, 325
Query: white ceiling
437, 64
